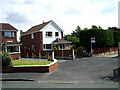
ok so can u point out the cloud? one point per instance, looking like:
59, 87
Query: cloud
66, 13
18, 18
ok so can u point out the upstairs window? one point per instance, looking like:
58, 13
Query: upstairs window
32, 36
48, 34
9, 34
56, 34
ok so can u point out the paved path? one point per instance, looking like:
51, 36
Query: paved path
82, 71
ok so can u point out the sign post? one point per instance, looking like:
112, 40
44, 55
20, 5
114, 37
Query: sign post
92, 41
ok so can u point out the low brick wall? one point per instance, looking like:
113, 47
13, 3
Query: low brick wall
105, 50
40, 68
15, 56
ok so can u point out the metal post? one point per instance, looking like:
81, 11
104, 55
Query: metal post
73, 55
91, 48
53, 56
62, 50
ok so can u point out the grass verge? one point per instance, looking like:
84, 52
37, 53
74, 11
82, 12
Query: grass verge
24, 62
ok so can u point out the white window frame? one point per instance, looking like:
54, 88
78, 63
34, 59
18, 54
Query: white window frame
9, 34
55, 34
32, 36
46, 34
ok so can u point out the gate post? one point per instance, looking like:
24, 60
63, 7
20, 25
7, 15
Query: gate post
53, 56
74, 55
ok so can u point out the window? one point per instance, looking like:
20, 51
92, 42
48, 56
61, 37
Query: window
9, 34
49, 34
62, 46
13, 48
32, 36
32, 47
56, 34
47, 46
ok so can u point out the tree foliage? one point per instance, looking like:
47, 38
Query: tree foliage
103, 37
71, 38
6, 59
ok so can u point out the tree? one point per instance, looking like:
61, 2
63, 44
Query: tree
71, 38
21, 32
76, 33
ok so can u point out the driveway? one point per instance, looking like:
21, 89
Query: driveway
84, 70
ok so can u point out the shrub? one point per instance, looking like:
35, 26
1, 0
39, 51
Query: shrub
80, 50
6, 59
50, 59
55, 48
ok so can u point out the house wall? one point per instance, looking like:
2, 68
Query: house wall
27, 43
51, 28
5, 39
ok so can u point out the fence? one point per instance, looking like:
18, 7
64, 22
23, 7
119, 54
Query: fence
45, 54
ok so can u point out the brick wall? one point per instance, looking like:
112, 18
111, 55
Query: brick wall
105, 50
15, 56
28, 42
29, 68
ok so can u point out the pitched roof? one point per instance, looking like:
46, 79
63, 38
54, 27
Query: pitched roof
60, 41
7, 26
36, 28
39, 27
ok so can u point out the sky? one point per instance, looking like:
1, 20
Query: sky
68, 14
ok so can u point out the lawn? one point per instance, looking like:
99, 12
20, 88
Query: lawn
24, 62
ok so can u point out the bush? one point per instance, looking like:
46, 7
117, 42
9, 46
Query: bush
50, 59
6, 59
55, 48
80, 50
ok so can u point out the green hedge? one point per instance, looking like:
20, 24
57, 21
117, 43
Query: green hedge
116, 37
102, 37
6, 59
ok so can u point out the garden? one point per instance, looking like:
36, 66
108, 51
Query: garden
26, 62
7, 61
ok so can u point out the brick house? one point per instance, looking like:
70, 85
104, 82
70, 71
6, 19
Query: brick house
9, 40
42, 38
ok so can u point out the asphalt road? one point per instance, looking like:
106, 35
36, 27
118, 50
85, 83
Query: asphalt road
83, 72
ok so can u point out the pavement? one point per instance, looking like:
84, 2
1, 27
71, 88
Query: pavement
87, 72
